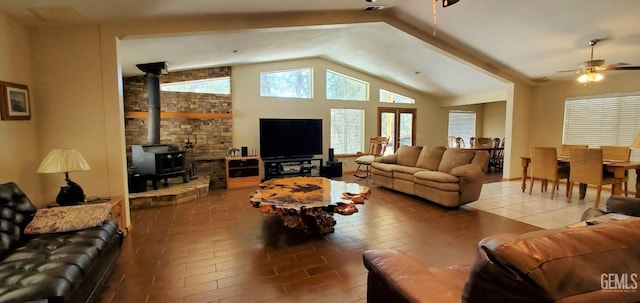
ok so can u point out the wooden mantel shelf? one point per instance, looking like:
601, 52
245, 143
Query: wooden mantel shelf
179, 115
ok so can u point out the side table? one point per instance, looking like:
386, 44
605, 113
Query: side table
331, 169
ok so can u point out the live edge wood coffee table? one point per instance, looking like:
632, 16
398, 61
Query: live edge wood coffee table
308, 203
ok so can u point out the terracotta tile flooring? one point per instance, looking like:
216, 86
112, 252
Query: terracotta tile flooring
220, 249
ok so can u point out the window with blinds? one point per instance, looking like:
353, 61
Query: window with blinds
347, 130
602, 120
462, 124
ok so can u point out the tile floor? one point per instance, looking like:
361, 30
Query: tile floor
507, 199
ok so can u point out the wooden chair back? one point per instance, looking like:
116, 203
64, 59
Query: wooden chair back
565, 149
544, 162
451, 141
377, 145
586, 165
459, 142
473, 141
616, 152
483, 141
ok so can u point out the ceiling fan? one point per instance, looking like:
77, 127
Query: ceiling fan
590, 69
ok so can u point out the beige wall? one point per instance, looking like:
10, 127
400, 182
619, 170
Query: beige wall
19, 153
493, 121
249, 106
71, 111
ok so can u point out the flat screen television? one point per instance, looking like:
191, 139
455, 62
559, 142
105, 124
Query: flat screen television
290, 138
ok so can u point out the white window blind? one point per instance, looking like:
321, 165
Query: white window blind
602, 120
347, 130
462, 124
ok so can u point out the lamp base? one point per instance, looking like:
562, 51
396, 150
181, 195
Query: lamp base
72, 194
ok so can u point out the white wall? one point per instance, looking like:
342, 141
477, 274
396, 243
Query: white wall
19, 154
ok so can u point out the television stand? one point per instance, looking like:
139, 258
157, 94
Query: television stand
290, 167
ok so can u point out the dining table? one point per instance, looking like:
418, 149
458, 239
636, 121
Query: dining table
617, 167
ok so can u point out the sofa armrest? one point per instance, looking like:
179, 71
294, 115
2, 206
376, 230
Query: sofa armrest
395, 276
389, 159
624, 205
471, 179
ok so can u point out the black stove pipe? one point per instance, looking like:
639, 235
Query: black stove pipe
153, 71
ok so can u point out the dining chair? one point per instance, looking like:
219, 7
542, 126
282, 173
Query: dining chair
483, 141
587, 168
451, 141
564, 150
473, 141
496, 153
544, 166
460, 142
377, 145
618, 153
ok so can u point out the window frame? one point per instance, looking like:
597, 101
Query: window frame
227, 78
392, 94
310, 83
367, 85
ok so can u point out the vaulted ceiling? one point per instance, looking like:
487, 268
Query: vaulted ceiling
532, 40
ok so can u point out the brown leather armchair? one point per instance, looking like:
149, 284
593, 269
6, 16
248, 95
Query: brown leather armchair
556, 265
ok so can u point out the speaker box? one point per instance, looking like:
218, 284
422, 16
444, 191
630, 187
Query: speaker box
245, 151
331, 155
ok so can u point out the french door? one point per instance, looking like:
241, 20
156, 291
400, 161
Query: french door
399, 124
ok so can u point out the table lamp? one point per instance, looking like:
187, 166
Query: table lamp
65, 160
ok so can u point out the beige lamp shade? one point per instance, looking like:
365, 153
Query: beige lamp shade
636, 141
63, 160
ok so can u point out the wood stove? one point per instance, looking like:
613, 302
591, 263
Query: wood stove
159, 161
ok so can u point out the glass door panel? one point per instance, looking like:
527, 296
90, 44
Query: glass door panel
406, 129
399, 125
388, 129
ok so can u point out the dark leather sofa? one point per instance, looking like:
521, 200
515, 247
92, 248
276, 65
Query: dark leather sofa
599, 263
56, 267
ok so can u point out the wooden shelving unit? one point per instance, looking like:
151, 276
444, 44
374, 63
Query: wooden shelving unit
242, 172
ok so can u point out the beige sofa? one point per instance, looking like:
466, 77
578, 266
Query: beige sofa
450, 177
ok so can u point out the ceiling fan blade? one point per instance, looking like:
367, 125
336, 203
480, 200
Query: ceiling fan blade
611, 67
569, 71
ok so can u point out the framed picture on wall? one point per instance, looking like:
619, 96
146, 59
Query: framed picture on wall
15, 101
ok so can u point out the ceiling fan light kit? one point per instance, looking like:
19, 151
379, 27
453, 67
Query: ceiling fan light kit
590, 69
590, 77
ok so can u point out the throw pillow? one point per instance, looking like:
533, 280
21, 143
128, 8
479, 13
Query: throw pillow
430, 157
408, 155
68, 218
454, 157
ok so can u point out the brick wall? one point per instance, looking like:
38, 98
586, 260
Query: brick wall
212, 137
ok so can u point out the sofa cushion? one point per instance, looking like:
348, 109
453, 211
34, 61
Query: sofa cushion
407, 169
54, 265
430, 157
68, 218
437, 176
16, 211
383, 168
408, 155
454, 157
